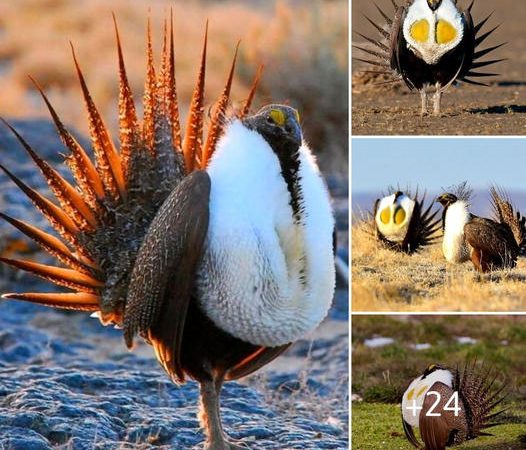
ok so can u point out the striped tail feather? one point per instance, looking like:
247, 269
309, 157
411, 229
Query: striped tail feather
101, 217
248, 102
108, 160
78, 301
218, 120
476, 386
83, 170
505, 213
194, 126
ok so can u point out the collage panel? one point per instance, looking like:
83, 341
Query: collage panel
438, 67
174, 225
438, 381
438, 224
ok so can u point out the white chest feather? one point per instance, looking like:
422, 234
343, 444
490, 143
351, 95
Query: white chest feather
454, 245
431, 34
393, 217
264, 278
415, 394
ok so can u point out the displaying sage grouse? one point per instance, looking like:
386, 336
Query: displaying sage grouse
489, 243
451, 406
402, 222
430, 44
217, 251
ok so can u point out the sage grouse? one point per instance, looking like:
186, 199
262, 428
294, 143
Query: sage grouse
450, 406
430, 43
489, 243
402, 222
217, 251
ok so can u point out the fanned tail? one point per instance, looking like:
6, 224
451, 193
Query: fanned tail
101, 218
378, 51
478, 391
429, 224
506, 214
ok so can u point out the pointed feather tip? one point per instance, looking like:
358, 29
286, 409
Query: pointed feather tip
117, 34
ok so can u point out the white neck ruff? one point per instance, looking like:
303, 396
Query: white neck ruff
264, 278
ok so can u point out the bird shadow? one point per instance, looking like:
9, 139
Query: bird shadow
493, 277
511, 83
501, 109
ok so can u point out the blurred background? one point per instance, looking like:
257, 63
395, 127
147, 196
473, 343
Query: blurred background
303, 44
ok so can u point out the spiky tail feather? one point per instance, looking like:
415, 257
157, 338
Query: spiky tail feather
505, 213
480, 396
102, 219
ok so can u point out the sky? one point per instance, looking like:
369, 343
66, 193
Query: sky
436, 163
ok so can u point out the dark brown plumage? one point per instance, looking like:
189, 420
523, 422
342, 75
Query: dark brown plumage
135, 214
495, 243
391, 54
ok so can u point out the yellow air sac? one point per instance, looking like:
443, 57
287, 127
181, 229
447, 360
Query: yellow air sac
420, 31
445, 32
385, 216
399, 216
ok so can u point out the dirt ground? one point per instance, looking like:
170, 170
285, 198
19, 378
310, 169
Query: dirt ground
499, 109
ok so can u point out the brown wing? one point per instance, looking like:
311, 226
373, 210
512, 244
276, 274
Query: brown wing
410, 435
440, 431
494, 240
255, 361
163, 274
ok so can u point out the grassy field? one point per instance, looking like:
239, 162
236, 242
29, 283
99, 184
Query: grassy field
384, 280
381, 375
377, 426
302, 44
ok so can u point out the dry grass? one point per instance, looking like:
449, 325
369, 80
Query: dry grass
384, 280
304, 46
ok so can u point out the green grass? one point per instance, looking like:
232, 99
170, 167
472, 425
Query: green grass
382, 374
378, 426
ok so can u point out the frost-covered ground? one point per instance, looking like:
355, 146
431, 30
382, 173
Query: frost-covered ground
66, 382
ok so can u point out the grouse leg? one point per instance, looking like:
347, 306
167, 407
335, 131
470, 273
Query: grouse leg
211, 417
437, 99
230, 445
423, 98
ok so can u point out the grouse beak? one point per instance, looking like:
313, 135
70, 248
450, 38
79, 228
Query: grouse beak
446, 199
292, 130
434, 4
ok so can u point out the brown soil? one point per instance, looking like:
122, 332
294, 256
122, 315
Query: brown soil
499, 109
